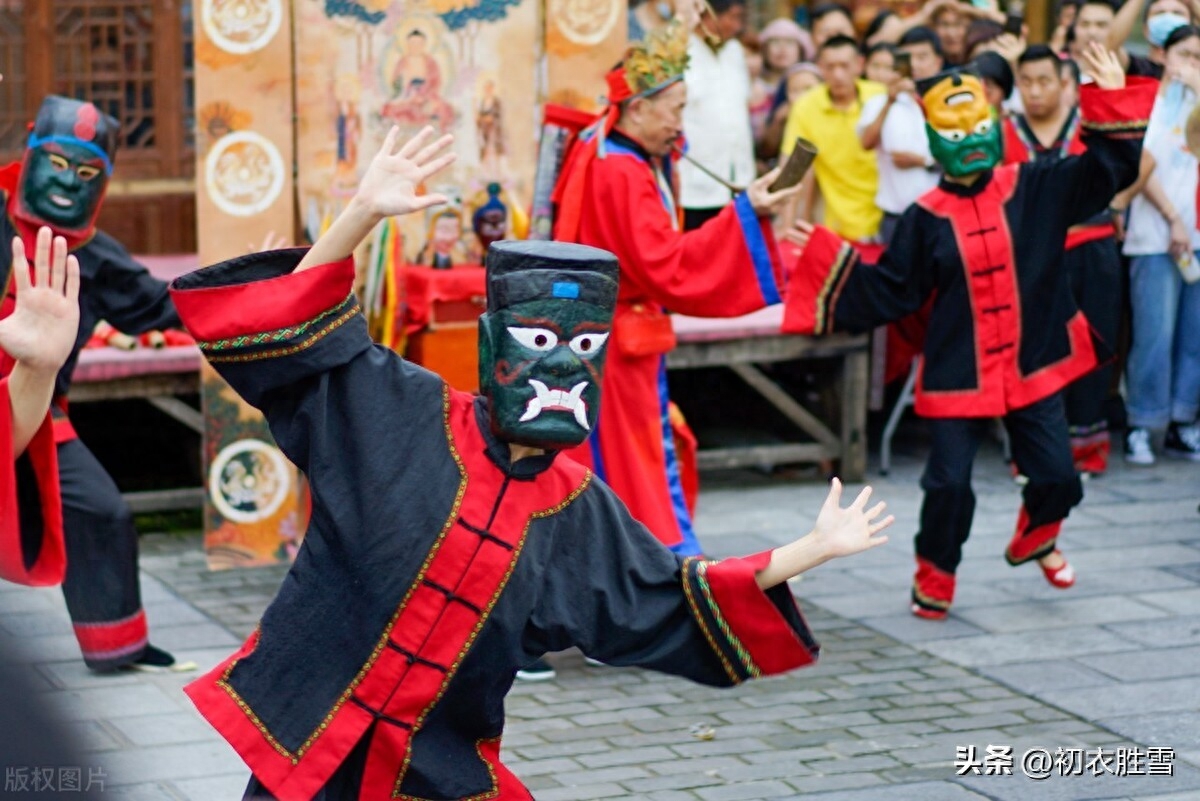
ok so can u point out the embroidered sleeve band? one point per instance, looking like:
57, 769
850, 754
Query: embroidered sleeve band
1118, 113
816, 282
753, 633
259, 294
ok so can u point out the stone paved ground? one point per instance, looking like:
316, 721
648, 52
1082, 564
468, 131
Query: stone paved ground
1112, 663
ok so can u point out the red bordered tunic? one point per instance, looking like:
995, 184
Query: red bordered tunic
433, 568
1004, 331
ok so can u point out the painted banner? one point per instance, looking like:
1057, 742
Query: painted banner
466, 67
479, 69
254, 511
584, 40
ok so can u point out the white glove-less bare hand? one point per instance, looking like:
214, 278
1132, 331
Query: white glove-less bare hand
41, 331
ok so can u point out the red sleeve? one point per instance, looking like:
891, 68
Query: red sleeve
1118, 113
815, 282
755, 632
259, 293
32, 551
264, 327
727, 267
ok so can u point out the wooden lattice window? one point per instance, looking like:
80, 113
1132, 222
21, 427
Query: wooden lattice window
129, 57
14, 90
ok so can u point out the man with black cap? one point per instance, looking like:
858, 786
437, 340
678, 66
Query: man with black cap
450, 543
1004, 335
60, 184
996, 74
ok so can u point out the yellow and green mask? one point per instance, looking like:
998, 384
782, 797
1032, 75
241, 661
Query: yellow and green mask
543, 340
68, 161
964, 134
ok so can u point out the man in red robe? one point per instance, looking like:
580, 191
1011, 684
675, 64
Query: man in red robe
618, 191
38, 337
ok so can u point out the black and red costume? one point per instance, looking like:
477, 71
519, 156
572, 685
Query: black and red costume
1092, 262
1004, 335
101, 584
433, 566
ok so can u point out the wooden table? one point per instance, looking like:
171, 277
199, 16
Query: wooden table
159, 377
742, 343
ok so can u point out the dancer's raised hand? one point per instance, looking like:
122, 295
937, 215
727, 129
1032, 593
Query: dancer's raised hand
1103, 65
389, 186
42, 329
388, 189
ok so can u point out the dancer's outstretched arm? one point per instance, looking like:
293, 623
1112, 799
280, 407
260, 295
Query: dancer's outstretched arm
838, 532
388, 189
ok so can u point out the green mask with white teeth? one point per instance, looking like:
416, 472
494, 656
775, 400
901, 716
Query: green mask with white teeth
543, 340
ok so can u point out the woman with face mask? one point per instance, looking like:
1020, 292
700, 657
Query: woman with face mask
1163, 372
1161, 17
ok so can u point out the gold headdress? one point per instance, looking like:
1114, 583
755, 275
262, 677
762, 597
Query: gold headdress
660, 60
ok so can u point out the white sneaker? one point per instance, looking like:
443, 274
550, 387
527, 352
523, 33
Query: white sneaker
1137, 447
541, 670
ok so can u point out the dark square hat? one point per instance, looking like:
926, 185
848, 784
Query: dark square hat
520, 271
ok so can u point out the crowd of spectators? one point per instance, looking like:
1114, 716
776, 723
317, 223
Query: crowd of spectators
846, 82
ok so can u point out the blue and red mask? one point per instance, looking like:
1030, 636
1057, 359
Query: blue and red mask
67, 165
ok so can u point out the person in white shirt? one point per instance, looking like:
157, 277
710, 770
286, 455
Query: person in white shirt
1162, 374
716, 120
893, 125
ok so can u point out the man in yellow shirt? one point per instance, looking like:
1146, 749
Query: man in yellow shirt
827, 116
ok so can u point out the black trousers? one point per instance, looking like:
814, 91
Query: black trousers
694, 218
1094, 272
101, 586
1040, 448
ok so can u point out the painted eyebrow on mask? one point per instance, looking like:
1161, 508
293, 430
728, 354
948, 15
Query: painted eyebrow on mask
51, 147
539, 322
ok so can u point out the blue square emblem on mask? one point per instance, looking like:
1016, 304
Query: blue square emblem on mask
565, 289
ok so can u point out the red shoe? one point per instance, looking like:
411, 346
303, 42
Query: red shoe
1062, 576
932, 592
1029, 544
926, 613
1092, 457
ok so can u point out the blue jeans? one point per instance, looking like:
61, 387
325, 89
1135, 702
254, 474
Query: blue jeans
1162, 377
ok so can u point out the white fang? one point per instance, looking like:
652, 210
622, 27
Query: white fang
557, 400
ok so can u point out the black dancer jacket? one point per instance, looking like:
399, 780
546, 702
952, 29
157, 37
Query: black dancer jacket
433, 567
1004, 331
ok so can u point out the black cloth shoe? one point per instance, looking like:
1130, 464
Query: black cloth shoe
156, 660
1183, 441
